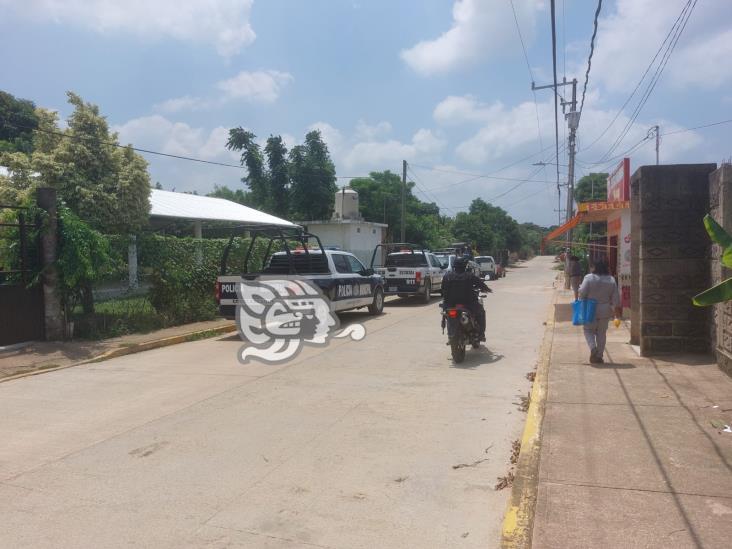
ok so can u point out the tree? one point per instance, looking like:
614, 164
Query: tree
239, 196
279, 178
19, 120
591, 188
105, 185
379, 197
251, 156
313, 181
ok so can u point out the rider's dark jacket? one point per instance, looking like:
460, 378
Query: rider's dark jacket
458, 289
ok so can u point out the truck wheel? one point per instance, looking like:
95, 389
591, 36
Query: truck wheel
377, 305
427, 291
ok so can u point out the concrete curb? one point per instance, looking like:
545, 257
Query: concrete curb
134, 348
518, 522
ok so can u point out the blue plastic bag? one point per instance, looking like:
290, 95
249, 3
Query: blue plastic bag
583, 311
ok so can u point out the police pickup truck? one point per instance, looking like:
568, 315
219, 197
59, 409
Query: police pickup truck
340, 275
408, 270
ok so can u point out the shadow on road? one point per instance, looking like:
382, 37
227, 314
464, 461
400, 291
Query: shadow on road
415, 301
611, 366
477, 357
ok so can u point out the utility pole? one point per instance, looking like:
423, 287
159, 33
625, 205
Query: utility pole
657, 131
404, 199
573, 122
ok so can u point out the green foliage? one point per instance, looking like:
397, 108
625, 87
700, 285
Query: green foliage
18, 122
243, 141
83, 257
488, 228
239, 196
279, 179
184, 293
106, 186
722, 291
312, 179
591, 188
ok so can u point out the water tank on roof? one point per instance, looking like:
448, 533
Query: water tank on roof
346, 204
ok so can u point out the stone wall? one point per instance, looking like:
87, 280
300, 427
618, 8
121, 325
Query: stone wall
720, 208
670, 250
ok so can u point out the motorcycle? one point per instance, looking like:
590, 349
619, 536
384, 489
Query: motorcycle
462, 329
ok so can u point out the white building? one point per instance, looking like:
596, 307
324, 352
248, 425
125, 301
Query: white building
347, 230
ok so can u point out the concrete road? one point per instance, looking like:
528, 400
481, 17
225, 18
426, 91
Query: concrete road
378, 443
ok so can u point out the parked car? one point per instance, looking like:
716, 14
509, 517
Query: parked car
486, 266
408, 270
472, 265
341, 277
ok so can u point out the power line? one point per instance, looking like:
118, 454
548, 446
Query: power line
145, 151
488, 175
592, 50
556, 107
654, 79
429, 197
642, 78
697, 127
531, 75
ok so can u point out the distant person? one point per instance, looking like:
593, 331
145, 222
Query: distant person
575, 275
600, 286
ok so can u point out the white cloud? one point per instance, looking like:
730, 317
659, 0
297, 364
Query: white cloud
365, 131
223, 24
381, 155
455, 110
254, 87
257, 86
479, 28
629, 36
182, 104
158, 133
368, 148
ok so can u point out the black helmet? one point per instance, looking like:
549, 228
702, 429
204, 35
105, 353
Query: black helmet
460, 264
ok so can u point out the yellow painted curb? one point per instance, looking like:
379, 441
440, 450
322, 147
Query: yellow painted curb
518, 521
135, 348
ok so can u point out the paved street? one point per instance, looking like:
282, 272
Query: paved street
355, 445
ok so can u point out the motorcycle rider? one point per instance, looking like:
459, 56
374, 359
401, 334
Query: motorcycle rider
458, 288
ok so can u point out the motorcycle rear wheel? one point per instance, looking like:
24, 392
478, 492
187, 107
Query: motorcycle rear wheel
457, 346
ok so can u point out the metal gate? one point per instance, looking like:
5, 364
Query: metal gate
21, 301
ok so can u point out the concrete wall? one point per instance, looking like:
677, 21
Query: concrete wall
720, 208
359, 238
670, 250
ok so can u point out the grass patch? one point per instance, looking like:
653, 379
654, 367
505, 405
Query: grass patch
128, 315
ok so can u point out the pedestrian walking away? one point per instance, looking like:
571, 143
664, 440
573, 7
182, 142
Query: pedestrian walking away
602, 287
575, 275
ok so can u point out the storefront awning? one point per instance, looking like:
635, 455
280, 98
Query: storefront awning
587, 212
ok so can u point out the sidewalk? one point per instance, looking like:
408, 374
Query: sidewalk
46, 355
633, 452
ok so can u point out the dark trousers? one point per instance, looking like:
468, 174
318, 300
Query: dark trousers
479, 312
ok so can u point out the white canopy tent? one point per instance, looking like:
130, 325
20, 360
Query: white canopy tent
167, 205
171, 205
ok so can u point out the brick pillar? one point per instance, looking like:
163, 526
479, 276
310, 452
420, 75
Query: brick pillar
635, 231
672, 256
720, 208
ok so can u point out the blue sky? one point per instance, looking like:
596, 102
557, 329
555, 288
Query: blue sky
440, 83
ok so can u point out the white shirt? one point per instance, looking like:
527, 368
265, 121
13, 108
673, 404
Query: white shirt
604, 290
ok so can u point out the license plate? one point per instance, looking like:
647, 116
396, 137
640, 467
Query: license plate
392, 288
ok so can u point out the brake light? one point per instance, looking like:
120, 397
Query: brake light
217, 291
452, 313
418, 276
